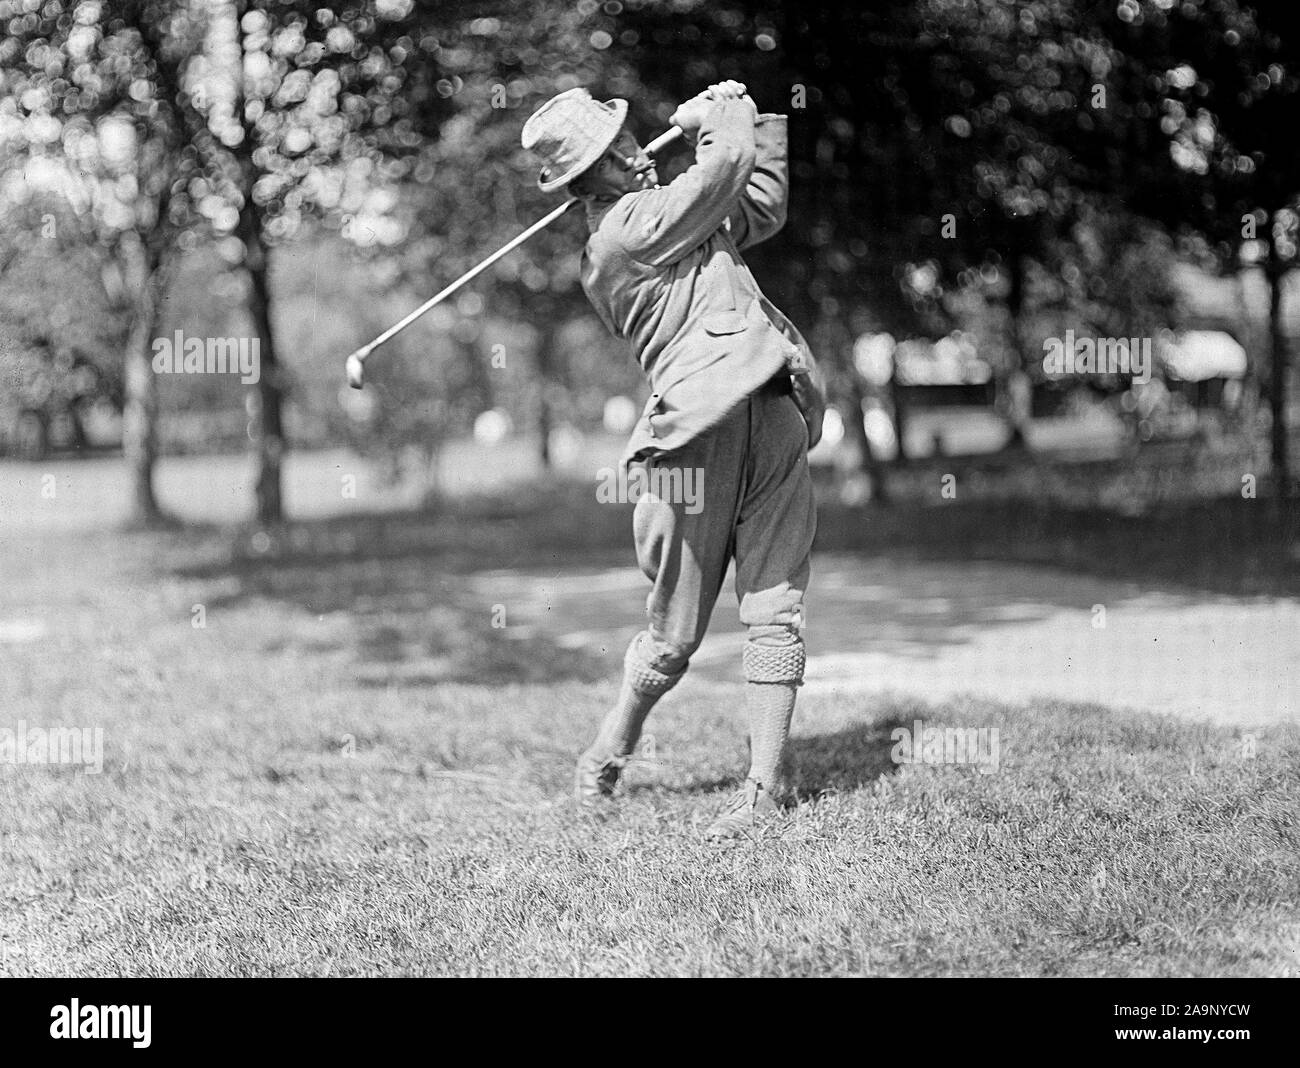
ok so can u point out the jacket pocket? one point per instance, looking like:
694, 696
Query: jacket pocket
649, 412
720, 323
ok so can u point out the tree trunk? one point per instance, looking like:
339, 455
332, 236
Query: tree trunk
870, 465
140, 407
1250, 381
1009, 391
1277, 392
545, 417
432, 474
268, 419
268, 416
898, 409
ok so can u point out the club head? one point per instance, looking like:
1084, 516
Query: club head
355, 368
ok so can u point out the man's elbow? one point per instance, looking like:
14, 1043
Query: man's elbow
767, 223
776, 219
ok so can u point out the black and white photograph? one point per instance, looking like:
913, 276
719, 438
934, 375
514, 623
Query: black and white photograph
651, 489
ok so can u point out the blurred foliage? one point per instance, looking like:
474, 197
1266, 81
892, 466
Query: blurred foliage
1012, 169
1020, 125
189, 101
63, 319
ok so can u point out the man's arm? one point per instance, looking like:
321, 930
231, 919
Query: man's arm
761, 211
664, 225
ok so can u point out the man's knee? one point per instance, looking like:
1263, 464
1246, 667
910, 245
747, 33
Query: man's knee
774, 615
774, 653
656, 665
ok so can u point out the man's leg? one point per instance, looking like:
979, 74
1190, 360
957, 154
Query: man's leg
773, 673
774, 535
683, 543
600, 766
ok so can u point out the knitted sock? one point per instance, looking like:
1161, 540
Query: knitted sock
642, 687
773, 673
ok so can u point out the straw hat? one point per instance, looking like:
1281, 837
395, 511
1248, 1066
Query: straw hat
570, 132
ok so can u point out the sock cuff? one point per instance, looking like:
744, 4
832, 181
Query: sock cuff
773, 663
642, 677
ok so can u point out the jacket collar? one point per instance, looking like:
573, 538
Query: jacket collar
598, 209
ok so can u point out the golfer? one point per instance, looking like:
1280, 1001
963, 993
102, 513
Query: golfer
733, 400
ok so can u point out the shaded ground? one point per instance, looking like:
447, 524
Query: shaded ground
938, 629
1185, 607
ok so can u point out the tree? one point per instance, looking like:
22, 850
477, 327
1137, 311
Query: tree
1216, 85
80, 116
62, 322
236, 119
1145, 109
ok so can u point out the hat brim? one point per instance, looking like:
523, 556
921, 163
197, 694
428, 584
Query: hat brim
548, 182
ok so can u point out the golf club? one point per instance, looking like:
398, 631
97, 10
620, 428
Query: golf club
355, 365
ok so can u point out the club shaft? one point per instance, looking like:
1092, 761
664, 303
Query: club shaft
473, 272
664, 138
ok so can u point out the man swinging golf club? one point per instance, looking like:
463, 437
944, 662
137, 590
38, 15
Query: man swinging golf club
733, 399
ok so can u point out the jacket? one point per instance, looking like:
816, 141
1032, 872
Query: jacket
662, 268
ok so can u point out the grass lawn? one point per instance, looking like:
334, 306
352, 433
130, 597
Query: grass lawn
348, 771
